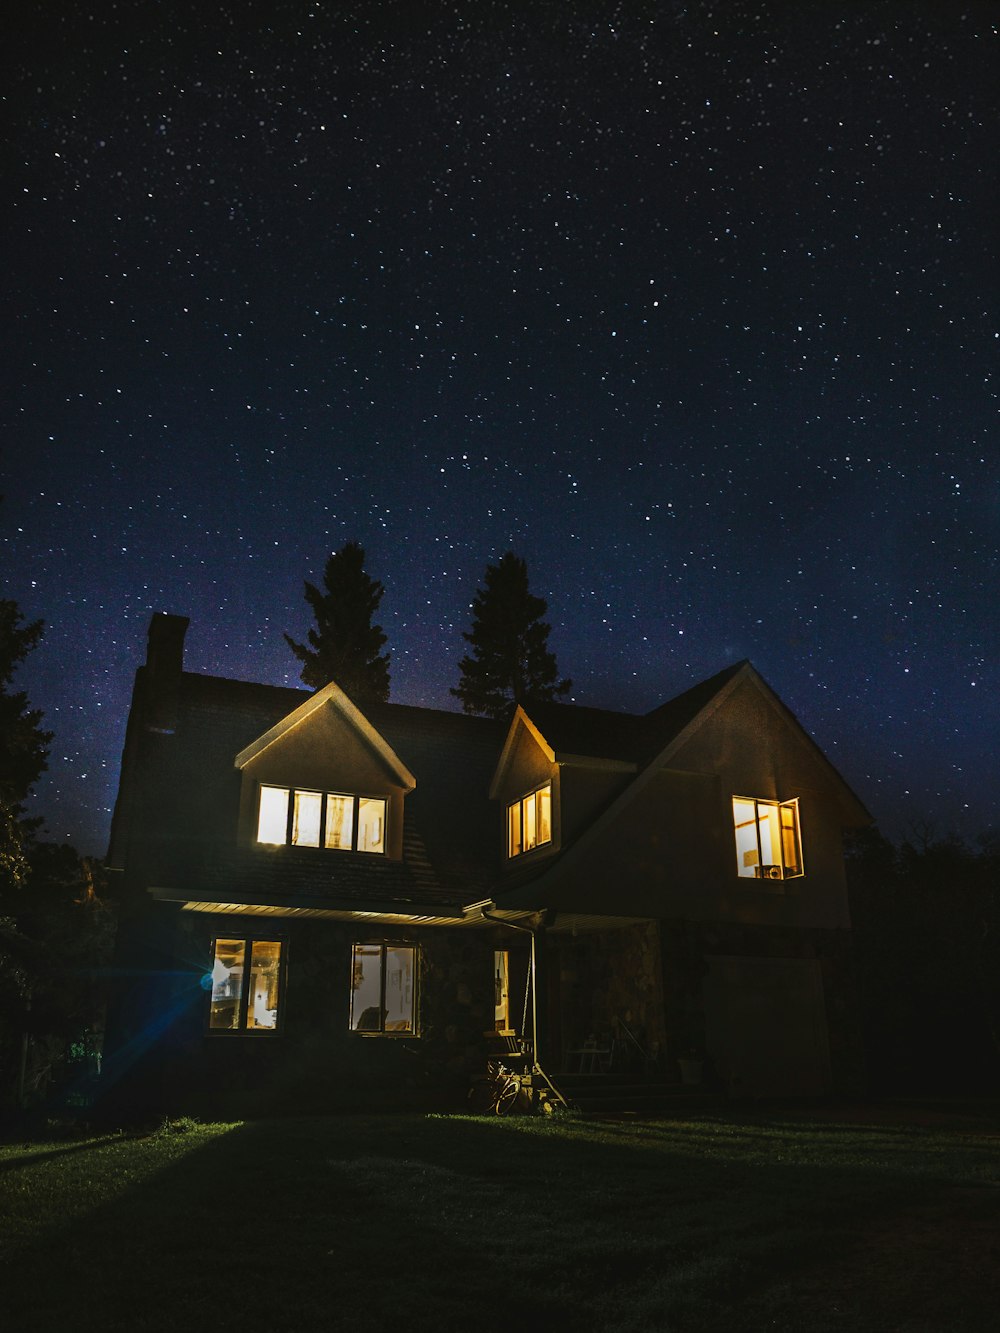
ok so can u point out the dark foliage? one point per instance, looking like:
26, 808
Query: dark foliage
345, 646
926, 919
57, 940
510, 662
23, 743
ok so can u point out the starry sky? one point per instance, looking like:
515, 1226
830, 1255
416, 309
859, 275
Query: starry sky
693, 306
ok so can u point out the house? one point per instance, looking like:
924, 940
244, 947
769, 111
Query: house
328, 906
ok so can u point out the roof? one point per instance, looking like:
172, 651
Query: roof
180, 790
451, 849
596, 733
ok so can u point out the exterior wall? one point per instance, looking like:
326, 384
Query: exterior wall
603, 977
670, 851
323, 753
691, 950
166, 1062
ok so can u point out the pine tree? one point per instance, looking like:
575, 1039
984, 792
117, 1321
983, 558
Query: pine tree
345, 644
23, 744
510, 662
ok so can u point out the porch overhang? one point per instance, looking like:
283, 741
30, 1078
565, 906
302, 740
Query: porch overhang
388, 913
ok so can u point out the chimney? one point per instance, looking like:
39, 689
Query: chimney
164, 664
165, 653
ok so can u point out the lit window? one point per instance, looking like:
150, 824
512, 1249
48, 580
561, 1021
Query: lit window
768, 845
245, 999
321, 819
382, 988
529, 821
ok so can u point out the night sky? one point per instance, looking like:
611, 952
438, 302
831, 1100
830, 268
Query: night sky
693, 306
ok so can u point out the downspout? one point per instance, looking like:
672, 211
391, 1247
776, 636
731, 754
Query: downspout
536, 1068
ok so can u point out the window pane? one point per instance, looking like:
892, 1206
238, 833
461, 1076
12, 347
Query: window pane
790, 849
399, 989
530, 825
770, 842
501, 990
745, 821
371, 825
366, 989
227, 984
272, 819
339, 821
544, 813
305, 818
265, 964
514, 829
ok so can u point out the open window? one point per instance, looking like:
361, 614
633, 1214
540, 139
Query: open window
529, 821
246, 986
768, 841
336, 821
383, 989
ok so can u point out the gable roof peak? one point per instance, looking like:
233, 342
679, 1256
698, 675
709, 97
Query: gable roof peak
332, 695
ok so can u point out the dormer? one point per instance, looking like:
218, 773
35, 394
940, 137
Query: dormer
323, 778
560, 764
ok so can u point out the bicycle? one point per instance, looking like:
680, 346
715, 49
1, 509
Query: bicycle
499, 1092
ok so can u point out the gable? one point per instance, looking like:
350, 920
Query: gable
327, 729
757, 746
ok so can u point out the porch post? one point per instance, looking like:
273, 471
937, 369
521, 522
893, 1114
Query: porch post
539, 994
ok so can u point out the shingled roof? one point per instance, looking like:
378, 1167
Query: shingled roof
636, 738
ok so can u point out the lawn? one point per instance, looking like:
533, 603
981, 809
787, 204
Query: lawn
438, 1223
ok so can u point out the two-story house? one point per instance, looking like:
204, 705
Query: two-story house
327, 906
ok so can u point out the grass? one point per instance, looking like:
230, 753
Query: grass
431, 1223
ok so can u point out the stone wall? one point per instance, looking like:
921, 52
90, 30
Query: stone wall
163, 1061
607, 976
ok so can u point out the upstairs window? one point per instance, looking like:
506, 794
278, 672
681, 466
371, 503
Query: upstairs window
768, 844
332, 820
382, 988
246, 983
529, 821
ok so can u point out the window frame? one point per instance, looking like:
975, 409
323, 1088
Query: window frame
382, 1031
519, 806
785, 872
243, 1007
321, 845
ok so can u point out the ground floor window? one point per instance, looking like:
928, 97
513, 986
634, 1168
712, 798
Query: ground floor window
383, 989
501, 990
246, 985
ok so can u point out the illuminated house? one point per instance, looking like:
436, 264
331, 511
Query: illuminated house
329, 906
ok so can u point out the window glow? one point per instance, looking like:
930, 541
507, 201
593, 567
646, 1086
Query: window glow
382, 988
339, 822
272, 818
529, 821
306, 818
239, 1008
371, 825
768, 844
332, 820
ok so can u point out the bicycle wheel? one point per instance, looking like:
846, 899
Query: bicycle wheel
507, 1096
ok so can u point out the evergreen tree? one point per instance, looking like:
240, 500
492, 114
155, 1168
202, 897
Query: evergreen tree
23, 743
345, 644
510, 662
23, 748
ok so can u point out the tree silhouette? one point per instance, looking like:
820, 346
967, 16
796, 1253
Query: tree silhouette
23, 743
345, 644
510, 662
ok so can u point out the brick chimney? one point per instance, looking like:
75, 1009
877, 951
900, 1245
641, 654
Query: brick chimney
164, 664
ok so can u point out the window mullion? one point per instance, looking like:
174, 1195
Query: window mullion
290, 818
760, 845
